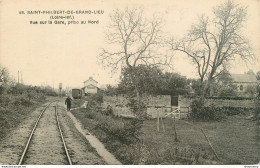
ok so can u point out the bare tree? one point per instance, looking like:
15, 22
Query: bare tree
212, 44
134, 40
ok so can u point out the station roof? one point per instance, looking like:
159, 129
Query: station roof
90, 78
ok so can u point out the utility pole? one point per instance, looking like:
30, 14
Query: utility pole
60, 87
21, 78
18, 77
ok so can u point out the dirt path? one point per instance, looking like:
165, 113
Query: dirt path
79, 148
101, 150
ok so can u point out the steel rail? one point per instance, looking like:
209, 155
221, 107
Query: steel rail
29, 140
64, 144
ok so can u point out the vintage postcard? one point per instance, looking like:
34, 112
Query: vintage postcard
128, 82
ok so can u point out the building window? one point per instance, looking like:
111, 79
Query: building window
241, 87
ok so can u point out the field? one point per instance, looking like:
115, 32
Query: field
234, 139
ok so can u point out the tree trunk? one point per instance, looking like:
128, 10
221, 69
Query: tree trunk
207, 86
137, 92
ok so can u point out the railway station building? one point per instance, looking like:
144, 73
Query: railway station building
90, 86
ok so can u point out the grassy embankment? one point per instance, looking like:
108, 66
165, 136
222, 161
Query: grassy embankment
14, 109
77, 103
234, 139
17, 102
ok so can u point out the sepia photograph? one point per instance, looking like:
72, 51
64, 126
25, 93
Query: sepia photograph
128, 82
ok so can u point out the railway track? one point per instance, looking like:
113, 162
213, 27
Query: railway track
34, 130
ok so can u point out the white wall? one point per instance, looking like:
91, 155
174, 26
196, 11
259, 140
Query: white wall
91, 90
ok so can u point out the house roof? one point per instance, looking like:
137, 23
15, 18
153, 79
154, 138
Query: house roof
245, 78
90, 78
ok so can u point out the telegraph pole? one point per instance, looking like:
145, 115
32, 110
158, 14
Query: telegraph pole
60, 87
18, 77
21, 78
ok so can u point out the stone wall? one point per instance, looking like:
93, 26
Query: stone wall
153, 101
161, 105
156, 105
158, 101
186, 102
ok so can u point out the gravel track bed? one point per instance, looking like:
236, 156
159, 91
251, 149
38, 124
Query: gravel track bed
12, 146
46, 147
80, 150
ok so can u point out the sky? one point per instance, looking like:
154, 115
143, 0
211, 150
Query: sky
49, 54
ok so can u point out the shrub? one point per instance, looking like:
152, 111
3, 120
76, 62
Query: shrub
13, 109
98, 98
139, 153
2, 89
121, 136
109, 110
257, 103
230, 111
48, 91
21, 101
126, 132
4, 100
139, 108
200, 112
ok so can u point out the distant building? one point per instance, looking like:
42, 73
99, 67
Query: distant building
242, 81
90, 86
